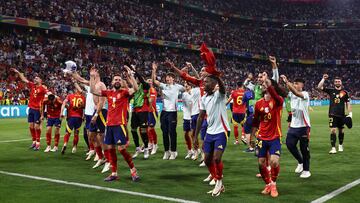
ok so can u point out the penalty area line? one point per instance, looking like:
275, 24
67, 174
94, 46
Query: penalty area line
337, 192
171, 199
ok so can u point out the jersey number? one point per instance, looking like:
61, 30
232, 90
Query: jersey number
239, 100
77, 102
267, 116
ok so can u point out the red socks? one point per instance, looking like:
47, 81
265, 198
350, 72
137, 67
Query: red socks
99, 152
48, 138
152, 134
264, 174
76, 140
212, 169
112, 159
33, 134
107, 155
236, 132
66, 138
57, 138
188, 140
219, 170
91, 145
274, 173
38, 134
127, 158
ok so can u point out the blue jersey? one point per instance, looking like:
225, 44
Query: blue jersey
248, 95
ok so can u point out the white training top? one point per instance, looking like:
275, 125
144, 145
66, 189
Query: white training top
196, 98
170, 95
215, 107
300, 110
90, 105
187, 105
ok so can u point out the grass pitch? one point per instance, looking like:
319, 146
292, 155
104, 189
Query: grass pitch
180, 178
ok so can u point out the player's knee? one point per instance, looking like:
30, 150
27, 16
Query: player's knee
274, 162
262, 161
333, 130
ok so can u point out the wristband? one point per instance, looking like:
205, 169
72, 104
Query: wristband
96, 114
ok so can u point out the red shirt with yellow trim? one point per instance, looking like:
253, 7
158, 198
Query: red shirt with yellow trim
53, 109
238, 105
37, 94
267, 116
76, 105
118, 101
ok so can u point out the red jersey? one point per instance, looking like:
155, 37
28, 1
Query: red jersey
238, 105
76, 105
118, 102
153, 96
37, 94
267, 116
53, 109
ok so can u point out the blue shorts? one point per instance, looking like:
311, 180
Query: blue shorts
238, 118
73, 123
152, 116
34, 116
100, 124
186, 125
115, 135
87, 121
203, 129
248, 124
194, 121
271, 146
53, 122
215, 142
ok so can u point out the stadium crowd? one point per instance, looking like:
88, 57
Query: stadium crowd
44, 53
285, 9
154, 21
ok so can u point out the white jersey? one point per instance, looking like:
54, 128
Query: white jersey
196, 99
215, 107
187, 105
300, 110
90, 105
170, 95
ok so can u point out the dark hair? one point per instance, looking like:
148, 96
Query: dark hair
337, 78
280, 90
117, 74
171, 74
239, 84
299, 80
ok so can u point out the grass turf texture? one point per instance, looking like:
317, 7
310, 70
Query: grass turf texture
180, 178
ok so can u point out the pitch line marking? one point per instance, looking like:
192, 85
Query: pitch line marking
171, 199
21, 140
337, 192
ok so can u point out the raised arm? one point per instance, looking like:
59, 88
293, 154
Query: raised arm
153, 74
21, 75
188, 64
132, 81
185, 76
291, 87
270, 88
77, 86
77, 77
322, 81
145, 85
92, 83
275, 69
221, 84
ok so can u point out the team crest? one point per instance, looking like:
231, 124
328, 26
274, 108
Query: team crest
266, 109
277, 152
220, 147
342, 93
262, 109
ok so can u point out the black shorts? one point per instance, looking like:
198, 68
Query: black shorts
336, 122
139, 119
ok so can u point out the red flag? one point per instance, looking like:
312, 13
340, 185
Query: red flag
208, 57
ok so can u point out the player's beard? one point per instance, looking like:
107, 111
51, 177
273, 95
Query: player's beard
338, 86
117, 86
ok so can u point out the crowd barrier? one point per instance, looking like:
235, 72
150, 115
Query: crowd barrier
22, 110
